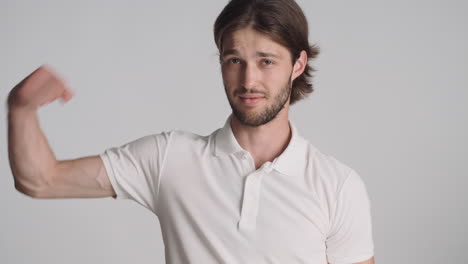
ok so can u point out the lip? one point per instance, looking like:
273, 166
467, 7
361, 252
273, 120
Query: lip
251, 96
251, 100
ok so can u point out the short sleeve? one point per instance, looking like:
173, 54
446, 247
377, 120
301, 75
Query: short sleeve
135, 168
350, 236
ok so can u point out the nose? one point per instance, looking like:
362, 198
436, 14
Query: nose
250, 76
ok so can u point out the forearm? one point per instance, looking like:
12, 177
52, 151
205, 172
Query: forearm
31, 158
35, 169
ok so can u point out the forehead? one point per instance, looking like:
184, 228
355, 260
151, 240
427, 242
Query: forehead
248, 40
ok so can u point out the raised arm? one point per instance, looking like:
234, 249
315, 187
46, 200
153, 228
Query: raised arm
36, 171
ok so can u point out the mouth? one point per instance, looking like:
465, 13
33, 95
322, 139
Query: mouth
251, 99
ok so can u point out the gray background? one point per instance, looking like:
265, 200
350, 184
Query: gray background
390, 101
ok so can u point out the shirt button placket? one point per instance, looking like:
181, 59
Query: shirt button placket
250, 202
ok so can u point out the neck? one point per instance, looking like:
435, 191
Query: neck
265, 142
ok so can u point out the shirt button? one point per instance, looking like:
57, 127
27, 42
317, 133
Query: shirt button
254, 181
267, 167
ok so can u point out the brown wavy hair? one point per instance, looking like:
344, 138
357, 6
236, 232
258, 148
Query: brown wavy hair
283, 21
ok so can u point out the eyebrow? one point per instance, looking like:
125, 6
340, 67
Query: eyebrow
267, 54
259, 54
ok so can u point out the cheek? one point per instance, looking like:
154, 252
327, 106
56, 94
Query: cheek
277, 76
230, 76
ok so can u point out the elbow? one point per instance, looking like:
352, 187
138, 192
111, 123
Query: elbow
32, 189
25, 190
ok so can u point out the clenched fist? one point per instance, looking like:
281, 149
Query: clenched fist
41, 87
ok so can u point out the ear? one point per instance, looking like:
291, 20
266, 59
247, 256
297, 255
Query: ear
300, 65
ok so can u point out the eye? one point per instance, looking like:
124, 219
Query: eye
234, 61
267, 62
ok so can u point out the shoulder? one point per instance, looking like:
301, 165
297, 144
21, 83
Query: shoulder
185, 136
328, 172
186, 140
325, 164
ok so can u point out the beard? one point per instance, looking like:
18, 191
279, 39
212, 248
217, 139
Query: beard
265, 115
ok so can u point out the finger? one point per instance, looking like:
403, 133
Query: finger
67, 95
50, 91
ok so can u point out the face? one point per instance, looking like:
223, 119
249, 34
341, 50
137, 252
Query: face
257, 75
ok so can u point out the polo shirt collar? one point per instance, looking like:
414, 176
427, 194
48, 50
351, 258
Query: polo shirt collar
291, 161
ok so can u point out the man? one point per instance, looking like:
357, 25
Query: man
253, 191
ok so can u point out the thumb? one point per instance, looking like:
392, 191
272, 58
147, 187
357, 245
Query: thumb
66, 95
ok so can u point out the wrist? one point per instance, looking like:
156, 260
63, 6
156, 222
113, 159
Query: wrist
21, 110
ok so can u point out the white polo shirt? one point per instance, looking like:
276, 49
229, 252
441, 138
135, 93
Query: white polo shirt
215, 207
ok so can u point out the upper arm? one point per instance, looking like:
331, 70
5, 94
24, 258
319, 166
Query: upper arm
135, 168
369, 261
349, 239
84, 177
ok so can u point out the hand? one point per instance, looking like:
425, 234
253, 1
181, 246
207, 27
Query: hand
41, 87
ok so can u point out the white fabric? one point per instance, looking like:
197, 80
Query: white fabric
214, 207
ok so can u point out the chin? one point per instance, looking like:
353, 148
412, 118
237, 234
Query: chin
252, 117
